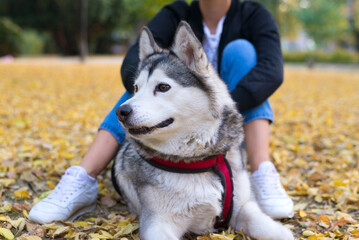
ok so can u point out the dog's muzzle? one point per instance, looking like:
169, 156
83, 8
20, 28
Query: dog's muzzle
124, 112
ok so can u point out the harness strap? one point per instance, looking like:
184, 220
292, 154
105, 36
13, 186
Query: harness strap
219, 165
223, 169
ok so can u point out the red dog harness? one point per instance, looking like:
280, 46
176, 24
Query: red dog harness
219, 165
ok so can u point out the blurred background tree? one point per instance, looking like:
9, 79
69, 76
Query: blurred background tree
59, 21
282, 11
326, 31
56, 23
53, 27
325, 21
10, 35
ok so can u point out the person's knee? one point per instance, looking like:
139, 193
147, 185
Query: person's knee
241, 51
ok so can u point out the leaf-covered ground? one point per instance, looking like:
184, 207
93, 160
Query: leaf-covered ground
49, 115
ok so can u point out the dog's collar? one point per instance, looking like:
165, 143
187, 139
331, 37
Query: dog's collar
219, 165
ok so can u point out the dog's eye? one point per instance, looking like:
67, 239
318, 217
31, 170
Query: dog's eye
136, 88
162, 87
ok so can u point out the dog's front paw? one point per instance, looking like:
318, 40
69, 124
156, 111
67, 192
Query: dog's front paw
254, 223
284, 234
276, 231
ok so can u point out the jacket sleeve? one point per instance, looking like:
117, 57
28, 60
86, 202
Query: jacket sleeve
163, 27
260, 83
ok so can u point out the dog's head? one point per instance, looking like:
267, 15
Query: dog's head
178, 97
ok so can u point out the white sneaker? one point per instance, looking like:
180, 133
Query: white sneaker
74, 195
270, 194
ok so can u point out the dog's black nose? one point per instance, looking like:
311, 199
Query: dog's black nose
123, 112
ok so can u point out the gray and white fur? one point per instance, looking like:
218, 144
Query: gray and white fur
182, 110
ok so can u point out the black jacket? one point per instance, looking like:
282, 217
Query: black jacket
247, 20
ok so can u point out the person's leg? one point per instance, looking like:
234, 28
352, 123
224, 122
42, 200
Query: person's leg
101, 152
76, 193
239, 57
106, 142
256, 140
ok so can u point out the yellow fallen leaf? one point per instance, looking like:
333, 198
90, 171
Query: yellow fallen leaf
111, 215
302, 213
104, 233
356, 231
94, 238
7, 207
82, 223
5, 219
98, 236
346, 216
126, 230
50, 184
6, 182
19, 123
313, 237
324, 218
214, 236
307, 233
18, 222
123, 223
71, 234
318, 199
342, 221
29, 238
24, 212
301, 206
339, 183
61, 231
203, 238
38, 163
67, 155
6, 233
21, 194
52, 226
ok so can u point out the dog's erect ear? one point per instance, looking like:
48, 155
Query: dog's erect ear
189, 49
148, 45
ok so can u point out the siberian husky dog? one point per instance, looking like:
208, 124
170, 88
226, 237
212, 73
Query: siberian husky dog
182, 113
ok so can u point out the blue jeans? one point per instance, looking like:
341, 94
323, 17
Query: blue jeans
239, 57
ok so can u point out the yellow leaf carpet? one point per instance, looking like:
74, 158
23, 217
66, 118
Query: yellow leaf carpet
49, 115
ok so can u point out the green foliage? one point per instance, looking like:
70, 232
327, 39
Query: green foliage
32, 43
15, 40
136, 13
54, 25
282, 12
324, 20
327, 22
339, 56
10, 37
61, 19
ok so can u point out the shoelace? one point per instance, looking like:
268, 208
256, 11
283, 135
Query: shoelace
67, 187
269, 185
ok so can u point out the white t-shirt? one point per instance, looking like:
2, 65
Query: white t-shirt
211, 42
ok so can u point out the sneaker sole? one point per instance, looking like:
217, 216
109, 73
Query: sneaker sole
82, 211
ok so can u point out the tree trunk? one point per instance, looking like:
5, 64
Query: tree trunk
356, 36
350, 8
83, 31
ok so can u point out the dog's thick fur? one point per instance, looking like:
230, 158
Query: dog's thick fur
181, 109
